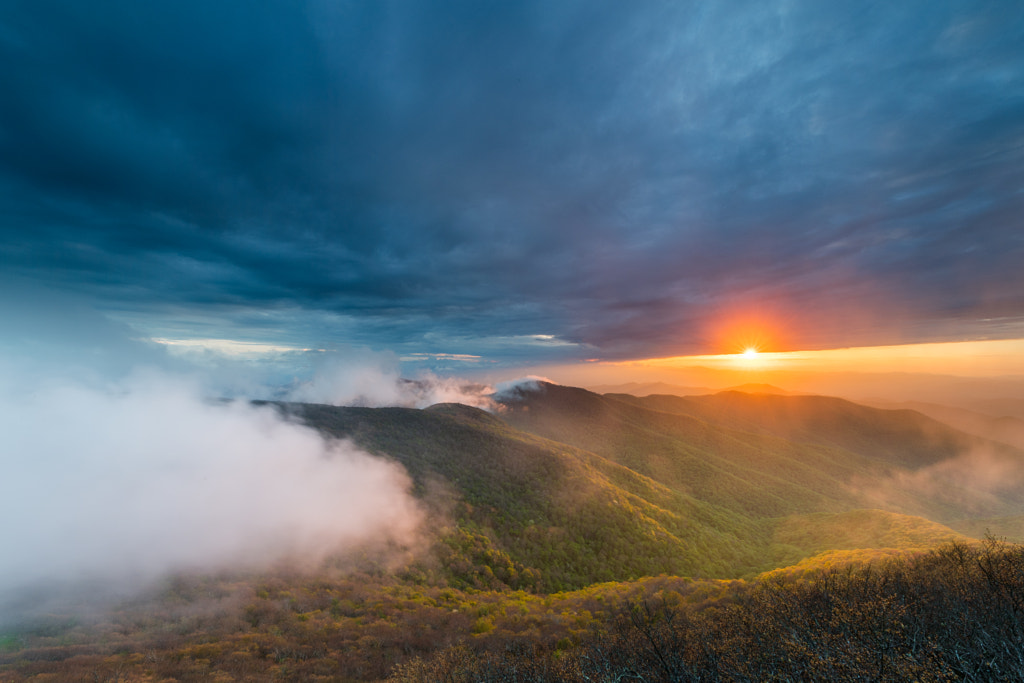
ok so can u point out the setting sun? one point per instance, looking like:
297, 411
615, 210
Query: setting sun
750, 352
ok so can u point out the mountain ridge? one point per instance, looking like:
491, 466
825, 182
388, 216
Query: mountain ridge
561, 487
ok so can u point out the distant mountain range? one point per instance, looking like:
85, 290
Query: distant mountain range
563, 487
650, 388
997, 425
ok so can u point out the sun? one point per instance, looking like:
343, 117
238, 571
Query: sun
750, 352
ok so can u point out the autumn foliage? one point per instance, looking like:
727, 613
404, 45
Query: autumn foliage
954, 614
951, 614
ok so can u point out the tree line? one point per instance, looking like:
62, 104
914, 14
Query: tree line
952, 614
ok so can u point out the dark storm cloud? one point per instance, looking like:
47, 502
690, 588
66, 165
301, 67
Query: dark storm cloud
447, 178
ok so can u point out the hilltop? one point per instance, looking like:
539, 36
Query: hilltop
1005, 428
570, 533
648, 388
562, 487
536, 513
776, 455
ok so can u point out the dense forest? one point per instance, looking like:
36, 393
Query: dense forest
574, 536
955, 613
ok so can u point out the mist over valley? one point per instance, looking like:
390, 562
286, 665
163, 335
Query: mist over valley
546, 341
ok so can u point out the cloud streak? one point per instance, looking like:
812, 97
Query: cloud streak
359, 377
611, 175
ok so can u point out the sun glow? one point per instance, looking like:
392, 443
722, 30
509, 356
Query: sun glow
969, 358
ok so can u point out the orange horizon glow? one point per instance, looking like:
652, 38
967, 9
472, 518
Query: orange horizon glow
967, 358
896, 372
748, 328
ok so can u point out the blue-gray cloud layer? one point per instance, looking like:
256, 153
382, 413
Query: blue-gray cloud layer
429, 176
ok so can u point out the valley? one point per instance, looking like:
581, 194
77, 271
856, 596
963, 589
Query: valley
555, 516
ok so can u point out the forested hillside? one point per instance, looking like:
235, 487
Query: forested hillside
949, 615
573, 536
563, 488
528, 512
774, 454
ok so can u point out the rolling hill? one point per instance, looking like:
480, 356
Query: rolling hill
563, 487
1009, 430
566, 489
906, 461
896, 437
535, 513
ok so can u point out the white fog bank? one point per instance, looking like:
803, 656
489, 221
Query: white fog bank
146, 477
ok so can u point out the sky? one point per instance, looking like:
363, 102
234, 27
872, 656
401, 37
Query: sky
317, 200
477, 185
